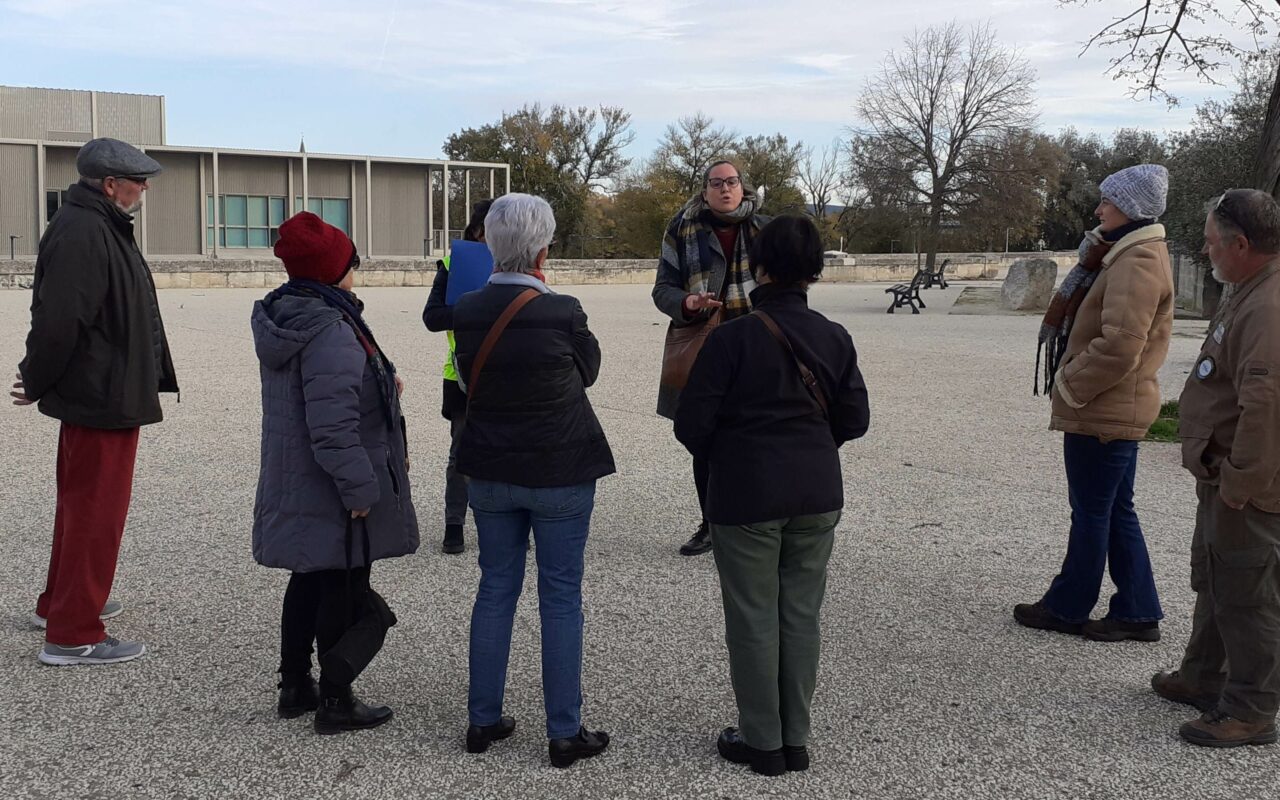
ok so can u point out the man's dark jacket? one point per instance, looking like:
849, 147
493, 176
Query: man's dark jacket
97, 355
747, 412
529, 421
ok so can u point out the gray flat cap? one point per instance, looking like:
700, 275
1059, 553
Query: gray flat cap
104, 158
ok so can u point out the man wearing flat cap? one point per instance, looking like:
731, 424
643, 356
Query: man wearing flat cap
97, 359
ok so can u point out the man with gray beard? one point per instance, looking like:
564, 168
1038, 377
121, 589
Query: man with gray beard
1230, 429
97, 359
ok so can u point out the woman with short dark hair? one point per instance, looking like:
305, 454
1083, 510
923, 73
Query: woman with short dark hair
770, 399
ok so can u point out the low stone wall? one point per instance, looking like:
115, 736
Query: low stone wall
236, 273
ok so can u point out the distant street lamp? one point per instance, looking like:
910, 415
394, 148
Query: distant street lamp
1006, 239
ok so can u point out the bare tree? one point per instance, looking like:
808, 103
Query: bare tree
688, 146
821, 178
1159, 37
935, 111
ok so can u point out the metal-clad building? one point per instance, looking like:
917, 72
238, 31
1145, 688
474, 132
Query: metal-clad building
223, 203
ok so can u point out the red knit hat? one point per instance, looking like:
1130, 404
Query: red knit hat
313, 249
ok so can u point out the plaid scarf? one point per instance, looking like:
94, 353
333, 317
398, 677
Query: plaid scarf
689, 240
352, 311
1061, 316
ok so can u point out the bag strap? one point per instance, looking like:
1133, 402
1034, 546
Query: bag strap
495, 333
806, 375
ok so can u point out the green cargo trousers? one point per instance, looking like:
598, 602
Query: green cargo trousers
773, 576
1235, 633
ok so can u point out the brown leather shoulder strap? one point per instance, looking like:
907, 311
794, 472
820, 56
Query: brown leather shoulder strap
806, 375
491, 339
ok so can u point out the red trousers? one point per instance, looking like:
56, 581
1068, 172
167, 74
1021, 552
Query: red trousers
95, 481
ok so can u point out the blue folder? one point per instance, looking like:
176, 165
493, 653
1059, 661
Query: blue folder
470, 265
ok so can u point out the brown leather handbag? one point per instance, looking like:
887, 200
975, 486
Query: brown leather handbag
681, 349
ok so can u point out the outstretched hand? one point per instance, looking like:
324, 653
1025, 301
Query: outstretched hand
700, 301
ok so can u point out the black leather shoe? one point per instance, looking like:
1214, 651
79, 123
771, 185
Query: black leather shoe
479, 737
453, 540
298, 695
699, 543
1114, 630
762, 762
797, 758
1035, 615
585, 745
346, 713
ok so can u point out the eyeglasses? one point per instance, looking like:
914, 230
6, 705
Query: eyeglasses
1225, 212
732, 183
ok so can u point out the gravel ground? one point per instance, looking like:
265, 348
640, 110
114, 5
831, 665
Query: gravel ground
955, 510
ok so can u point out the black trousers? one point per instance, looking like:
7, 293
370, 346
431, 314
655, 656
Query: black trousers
701, 476
318, 607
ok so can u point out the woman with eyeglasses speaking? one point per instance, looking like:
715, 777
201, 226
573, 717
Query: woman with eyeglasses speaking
704, 278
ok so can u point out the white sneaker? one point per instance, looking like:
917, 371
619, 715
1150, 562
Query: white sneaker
107, 651
113, 608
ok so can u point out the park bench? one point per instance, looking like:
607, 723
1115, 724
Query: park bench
937, 278
908, 294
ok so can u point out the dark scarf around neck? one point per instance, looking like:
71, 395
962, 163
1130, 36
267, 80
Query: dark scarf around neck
352, 311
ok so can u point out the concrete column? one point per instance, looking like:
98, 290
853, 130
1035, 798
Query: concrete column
42, 217
431, 212
204, 213
217, 199
445, 184
368, 205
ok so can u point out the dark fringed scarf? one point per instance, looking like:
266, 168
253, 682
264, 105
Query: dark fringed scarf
352, 311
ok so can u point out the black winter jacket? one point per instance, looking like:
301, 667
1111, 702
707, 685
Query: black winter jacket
745, 410
97, 354
529, 421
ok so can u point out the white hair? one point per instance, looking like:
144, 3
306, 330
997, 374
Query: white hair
94, 182
516, 229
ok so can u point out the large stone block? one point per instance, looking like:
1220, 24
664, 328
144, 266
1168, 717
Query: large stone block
1029, 284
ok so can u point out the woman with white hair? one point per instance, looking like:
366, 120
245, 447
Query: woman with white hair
533, 450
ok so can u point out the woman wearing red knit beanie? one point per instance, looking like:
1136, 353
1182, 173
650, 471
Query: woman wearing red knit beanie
333, 489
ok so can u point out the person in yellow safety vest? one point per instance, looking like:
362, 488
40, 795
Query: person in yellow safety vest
439, 317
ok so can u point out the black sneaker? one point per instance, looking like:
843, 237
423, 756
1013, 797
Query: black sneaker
564, 752
1114, 630
762, 762
452, 540
699, 543
1035, 615
479, 737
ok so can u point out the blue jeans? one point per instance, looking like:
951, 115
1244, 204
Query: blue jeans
1104, 528
559, 517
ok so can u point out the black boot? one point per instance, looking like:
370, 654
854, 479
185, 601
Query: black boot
585, 745
298, 694
699, 543
343, 712
797, 758
452, 540
479, 737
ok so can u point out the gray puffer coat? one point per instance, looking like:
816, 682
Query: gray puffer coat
326, 445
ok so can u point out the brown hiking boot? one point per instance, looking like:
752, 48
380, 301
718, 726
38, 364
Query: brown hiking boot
1172, 686
1216, 729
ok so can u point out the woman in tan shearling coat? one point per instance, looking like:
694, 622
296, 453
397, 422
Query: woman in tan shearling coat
1107, 334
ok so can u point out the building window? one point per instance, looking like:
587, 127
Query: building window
53, 200
334, 210
245, 221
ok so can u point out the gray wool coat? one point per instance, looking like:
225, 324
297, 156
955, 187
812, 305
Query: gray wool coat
326, 445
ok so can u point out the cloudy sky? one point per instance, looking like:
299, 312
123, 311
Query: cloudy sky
395, 77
